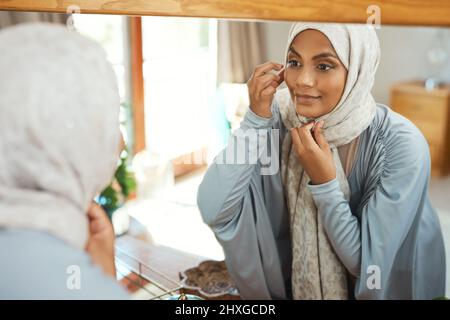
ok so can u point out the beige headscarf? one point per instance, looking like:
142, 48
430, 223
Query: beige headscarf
317, 272
59, 129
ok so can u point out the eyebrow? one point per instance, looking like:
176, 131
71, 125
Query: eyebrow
318, 56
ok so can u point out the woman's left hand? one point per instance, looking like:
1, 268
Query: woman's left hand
314, 153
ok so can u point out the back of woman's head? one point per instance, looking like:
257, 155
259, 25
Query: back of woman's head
59, 128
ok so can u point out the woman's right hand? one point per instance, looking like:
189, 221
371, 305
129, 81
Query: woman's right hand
100, 244
262, 87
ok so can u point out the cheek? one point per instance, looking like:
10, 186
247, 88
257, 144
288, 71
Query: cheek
333, 86
289, 79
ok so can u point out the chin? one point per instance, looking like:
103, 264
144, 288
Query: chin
307, 111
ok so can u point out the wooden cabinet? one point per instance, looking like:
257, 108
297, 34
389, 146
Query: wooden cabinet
429, 110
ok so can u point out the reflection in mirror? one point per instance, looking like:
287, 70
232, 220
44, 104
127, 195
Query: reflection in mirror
372, 186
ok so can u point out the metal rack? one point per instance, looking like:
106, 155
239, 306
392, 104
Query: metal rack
151, 284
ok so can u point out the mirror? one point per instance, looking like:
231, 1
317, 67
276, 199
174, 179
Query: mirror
182, 80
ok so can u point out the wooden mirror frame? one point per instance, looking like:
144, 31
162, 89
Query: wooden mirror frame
392, 12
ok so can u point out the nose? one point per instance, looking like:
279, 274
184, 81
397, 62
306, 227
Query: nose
305, 78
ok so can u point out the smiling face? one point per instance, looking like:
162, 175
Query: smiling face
314, 74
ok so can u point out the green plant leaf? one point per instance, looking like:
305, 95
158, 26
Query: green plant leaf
110, 198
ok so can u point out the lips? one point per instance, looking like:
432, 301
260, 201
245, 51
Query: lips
306, 99
306, 96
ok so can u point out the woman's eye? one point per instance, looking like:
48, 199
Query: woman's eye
293, 63
324, 67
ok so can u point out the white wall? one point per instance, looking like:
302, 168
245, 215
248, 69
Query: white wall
276, 36
404, 57
403, 53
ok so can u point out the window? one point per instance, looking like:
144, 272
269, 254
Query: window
109, 32
179, 76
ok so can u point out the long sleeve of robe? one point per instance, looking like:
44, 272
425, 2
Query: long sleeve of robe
387, 236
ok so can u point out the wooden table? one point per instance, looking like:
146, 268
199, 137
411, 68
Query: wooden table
150, 264
152, 271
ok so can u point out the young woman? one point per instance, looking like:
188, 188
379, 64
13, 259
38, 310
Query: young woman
347, 215
59, 144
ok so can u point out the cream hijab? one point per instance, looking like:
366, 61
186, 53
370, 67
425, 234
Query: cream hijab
59, 129
317, 272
